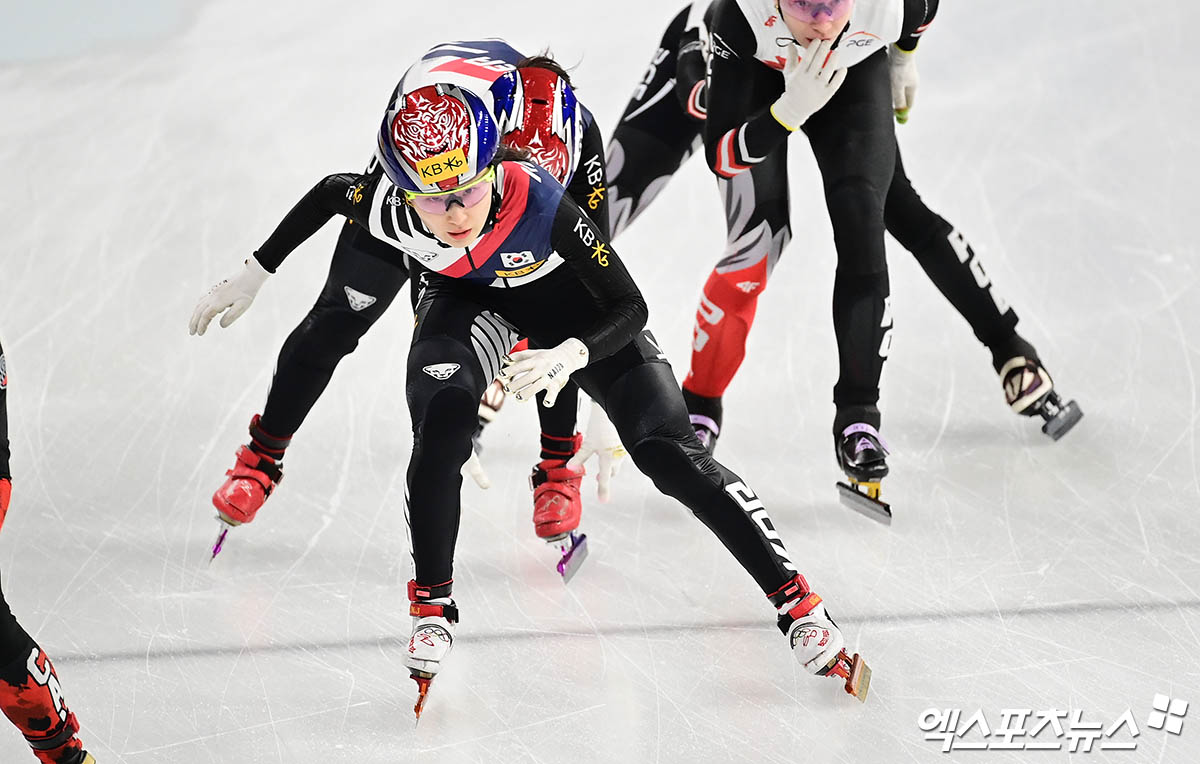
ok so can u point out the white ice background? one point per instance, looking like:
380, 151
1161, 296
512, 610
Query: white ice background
148, 150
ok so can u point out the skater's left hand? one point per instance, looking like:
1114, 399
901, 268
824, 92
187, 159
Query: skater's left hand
601, 440
528, 372
903, 67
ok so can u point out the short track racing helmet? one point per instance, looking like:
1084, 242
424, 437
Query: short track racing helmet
435, 138
537, 110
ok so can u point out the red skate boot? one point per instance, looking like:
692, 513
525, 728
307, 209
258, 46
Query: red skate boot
557, 507
258, 469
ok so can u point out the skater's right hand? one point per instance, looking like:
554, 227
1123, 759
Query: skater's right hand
811, 77
528, 372
235, 293
601, 440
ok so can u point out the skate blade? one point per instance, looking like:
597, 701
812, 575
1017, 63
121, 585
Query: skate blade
220, 542
864, 503
1061, 423
573, 557
423, 680
859, 681
855, 671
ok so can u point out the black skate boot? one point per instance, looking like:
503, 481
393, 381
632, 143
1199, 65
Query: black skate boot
705, 415
1029, 391
862, 455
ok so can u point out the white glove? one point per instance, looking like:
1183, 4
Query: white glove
235, 293
528, 372
473, 468
902, 65
600, 439
809, 82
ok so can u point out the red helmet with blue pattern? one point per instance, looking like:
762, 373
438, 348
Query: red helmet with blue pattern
435, 138
537, 110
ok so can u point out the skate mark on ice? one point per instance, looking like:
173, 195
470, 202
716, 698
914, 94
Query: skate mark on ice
239, 730
392, 642
512, 729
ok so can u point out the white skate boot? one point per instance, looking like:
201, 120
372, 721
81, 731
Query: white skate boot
816, 640
1029, 391
434, 617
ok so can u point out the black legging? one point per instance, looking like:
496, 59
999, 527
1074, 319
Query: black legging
447, 370
652, 140
853, 141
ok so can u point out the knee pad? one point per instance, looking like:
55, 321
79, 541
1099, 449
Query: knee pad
685, 474
325, 336
443, 375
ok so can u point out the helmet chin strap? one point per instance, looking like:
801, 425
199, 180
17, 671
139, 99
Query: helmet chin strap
495, 210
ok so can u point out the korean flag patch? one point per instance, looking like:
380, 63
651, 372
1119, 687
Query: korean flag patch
516, 259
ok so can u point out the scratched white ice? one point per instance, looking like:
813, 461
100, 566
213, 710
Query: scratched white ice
1019, 573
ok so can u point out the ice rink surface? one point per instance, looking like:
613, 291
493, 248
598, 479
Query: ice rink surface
142, 167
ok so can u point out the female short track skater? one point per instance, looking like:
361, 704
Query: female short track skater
479, 213
534, 104
760, 53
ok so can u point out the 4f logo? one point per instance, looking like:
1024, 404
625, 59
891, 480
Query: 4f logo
751, 505
42, 673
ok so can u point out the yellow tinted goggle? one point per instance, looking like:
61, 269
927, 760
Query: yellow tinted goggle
467, 195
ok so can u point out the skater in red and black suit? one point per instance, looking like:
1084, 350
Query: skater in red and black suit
30, 694
762, 85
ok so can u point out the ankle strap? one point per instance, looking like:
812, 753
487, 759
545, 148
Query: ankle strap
417, 592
